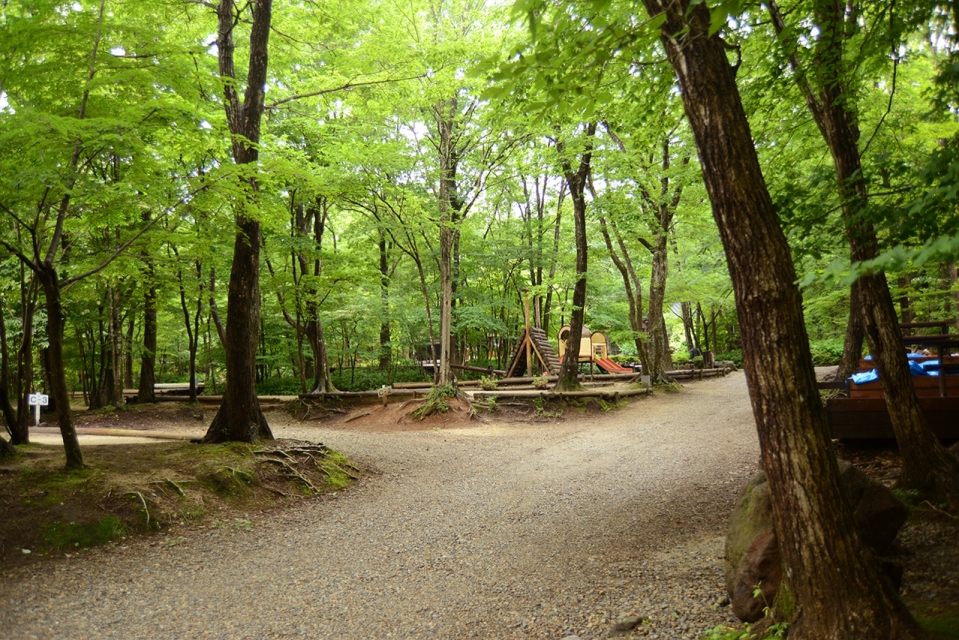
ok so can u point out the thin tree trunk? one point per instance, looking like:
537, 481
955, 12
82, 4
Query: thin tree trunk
953, 271
9, 415
658, 337
906, 314
21, 431
146, 389
128, 355
214, 311
855, 334
838, 587
58, 381
386, 350
577, 181
633, 296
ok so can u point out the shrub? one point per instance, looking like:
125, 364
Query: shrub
736, 356
826, 352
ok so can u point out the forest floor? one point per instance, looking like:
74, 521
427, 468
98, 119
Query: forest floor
523, 522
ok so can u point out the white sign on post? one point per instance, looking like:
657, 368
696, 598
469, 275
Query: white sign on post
37, 400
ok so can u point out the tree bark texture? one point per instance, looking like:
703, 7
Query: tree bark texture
386, 348
9, 415
839, 590
239, 417
577, 183
445, 122
656, 325
146, 391
58, 380
20, 432
855, 334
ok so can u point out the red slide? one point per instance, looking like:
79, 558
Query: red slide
610, 366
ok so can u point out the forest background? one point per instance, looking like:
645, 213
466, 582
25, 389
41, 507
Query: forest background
389, 126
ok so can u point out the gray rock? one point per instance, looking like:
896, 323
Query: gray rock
624, 626
752, 550
572, 638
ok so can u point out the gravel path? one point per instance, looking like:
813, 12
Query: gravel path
492, 531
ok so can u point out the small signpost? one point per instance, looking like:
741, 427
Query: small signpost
37, 400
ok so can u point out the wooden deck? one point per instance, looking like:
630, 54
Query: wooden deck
857, 418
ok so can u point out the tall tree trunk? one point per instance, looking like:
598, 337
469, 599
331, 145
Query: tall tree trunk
953, 271
926, 465
906, 314
656, 324
386, 350
214, 310
239, 417
28, 302
687, 325
9, 415
577, 182
116, 344
192, 324
146, 389
634, 293
128, 355
855, 334
445, 121
58, 380
839, 590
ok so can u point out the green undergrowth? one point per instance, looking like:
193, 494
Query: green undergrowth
60, 536
437, 401
723, 632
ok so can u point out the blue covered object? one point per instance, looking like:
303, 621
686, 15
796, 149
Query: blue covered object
915, 368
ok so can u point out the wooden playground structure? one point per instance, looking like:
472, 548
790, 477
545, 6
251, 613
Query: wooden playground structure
864, 415
593, 348
534, 354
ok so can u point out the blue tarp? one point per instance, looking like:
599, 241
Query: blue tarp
915, 368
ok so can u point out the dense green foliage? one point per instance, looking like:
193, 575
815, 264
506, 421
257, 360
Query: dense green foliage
115, 105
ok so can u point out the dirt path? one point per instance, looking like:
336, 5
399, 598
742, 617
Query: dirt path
492, 531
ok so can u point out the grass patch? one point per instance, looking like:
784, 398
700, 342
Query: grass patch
60, 536
944, 626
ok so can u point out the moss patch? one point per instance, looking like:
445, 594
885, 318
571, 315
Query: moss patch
60, 536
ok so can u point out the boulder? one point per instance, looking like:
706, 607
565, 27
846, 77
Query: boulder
752, 551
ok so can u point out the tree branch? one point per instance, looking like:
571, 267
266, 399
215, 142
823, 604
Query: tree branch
344, 87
